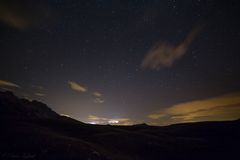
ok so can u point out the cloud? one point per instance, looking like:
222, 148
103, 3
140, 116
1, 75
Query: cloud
165, 54
77, 87
156, 115
40, 94
6, 84
97, 94
12, 18
113, 121
225, 107
98, 100
23, 15
65, 115
93, 117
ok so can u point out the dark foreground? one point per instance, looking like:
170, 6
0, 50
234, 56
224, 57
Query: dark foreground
30, 130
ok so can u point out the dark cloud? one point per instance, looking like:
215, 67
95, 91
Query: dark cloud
23, 15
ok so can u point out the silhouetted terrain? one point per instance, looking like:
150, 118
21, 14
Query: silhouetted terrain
31, 130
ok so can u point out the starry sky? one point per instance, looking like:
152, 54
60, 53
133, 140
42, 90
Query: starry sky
124, 61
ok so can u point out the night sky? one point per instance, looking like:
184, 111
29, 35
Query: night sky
124, 61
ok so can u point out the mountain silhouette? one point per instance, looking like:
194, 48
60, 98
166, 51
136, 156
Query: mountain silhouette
31, 130
13, 106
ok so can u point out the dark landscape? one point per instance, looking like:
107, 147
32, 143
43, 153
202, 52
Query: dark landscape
119, 80
31, 130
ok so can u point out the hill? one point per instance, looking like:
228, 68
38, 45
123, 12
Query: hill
31, 130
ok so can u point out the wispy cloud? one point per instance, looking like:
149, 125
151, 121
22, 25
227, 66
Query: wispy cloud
165, 54
113, 121
98, 97
65, 115
40, 94
97, 94
225, 107
76, 86
6, 84
98, 100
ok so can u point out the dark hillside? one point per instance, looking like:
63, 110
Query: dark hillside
31, 130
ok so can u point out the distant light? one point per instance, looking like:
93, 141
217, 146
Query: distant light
113, 121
